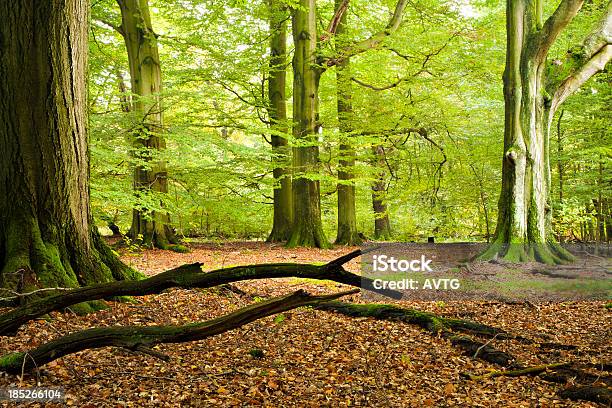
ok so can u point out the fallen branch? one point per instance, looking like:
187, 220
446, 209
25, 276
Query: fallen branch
601, 395
142, 338
563, 373
533, 370
433, 323
186, 276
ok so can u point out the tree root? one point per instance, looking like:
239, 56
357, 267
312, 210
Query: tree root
186, 276
142, 338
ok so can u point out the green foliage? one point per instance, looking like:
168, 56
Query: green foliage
441, 72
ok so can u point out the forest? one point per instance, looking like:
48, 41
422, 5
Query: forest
291, 203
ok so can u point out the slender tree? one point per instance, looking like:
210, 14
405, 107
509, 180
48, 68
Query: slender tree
47, 234
307, 227
382, 226
150, 174
347, 218
277, 112
533, 91
308, 66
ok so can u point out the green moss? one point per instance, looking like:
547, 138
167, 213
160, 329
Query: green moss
182, 249
88, 307
12, 362
51, 271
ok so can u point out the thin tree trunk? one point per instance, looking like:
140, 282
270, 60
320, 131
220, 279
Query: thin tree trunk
382, 227
560, 170
283, 206
347, 217
307, 227
47, 234
150, 226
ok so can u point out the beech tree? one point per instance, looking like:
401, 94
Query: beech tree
309, 64
347, 216
277, 112
150, 174
47, 234
534, 88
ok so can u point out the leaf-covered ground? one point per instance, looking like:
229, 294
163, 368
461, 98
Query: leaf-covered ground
306, 357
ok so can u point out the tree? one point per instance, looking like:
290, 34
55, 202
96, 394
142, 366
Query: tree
47, 234
307, 227
533, 91
308, 66
347, 217
277, 112
150, 174
382, 226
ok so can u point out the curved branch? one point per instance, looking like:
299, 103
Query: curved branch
186, 276
596, 52
571, 84
139, 338
554, 25
374, 41
377, 88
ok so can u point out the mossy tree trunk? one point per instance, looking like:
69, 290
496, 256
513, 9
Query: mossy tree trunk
347, 218
277, 108
308, 67
150, 174
533, 90
382, 226
47, 235
307, 226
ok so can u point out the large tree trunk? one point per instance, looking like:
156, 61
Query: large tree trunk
283, 206
150, 175
347, 218
47, 235
531, 96
307, 227
382, 227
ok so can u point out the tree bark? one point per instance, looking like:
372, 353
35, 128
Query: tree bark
47, 234
307, 70
524, 226
150, 174
186, 276
347, 217
277, 110
382, 226
307, 227
136, 337
437, 325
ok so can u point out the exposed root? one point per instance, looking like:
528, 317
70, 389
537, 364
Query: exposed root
548, 252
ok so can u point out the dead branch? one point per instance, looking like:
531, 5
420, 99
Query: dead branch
186, 276
142, 338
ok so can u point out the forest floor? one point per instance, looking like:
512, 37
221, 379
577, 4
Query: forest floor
306, 357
